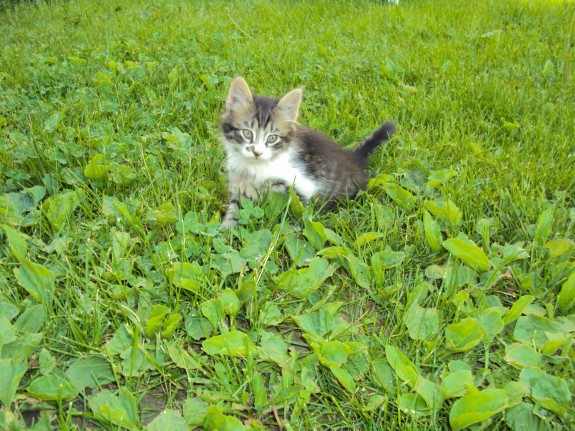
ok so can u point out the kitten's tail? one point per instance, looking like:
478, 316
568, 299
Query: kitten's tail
370, 144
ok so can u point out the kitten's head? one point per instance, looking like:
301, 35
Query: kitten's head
257, 127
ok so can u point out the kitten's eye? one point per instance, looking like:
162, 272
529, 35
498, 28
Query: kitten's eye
247, 134
272, 139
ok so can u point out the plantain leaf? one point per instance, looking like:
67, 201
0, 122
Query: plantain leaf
566, 297
464, 335
432, 232
476, 407
468, 252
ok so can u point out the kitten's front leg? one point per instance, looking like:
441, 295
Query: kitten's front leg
233, 210
278, 186
239, 188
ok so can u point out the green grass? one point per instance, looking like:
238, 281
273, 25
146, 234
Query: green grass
111, 188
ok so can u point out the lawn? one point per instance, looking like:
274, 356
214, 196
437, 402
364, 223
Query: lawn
442, 297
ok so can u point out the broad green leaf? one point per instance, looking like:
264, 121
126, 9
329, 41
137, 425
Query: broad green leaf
52, 122
554, 342
375, 402
198, 327
517, 308
21, 348
11, 372
484, 227
544, 226
192, 223
229, 263
464, 335
233, 343
273, 348
215, 420
533, 329
522, 356
322, 322
468, 252
491, 322
457, 383
303, 282
168, 420
120, 342
195, 410
213, 310
120, 409
156, 319
315, 233
230, 302
430, 392
477, 407
413, 405
422, 323
383, 375
358, 270
566, 297
270, 314
38, 280
332, 354
8, 310
181, 357
46, 361
344, 378
432, 232
440, 177
32, 319
445, 210
402, 365
399, 195
19, 209
256, 245
53, 387
164, 215
97, 167
384, 260
59, 208
548, 391
7, 332
134, 362
295, 205
247, 289
187, 275
299, 250
559, 247
364, 238
388, 258
259, 390
116, 210
521, 417
512, 252
91, 371
379, 180
122, 173
170, 324
17, 242
516, 391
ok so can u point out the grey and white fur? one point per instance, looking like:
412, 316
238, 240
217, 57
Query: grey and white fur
266, 149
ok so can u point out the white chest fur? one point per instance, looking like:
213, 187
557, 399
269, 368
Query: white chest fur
282, 168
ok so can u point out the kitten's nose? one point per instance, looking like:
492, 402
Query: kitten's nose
256, 153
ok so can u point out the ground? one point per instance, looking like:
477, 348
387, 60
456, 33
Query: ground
442, 297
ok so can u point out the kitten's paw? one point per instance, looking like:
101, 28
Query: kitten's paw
250, 192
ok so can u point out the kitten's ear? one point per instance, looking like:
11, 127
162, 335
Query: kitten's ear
288, 106
239, 96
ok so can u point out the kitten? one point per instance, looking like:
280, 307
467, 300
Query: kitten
266, 149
